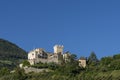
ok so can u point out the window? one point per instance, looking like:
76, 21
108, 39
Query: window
55, 56
36, 52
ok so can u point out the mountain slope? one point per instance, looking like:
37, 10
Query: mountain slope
9, 50
10, 54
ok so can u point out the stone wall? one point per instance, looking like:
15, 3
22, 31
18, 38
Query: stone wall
82, 63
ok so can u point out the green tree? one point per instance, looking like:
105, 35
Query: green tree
117, 56
106, 61
73, 58
4, 71
26, 63
71, 67
115, 65
19, 74
52, 66
92, 59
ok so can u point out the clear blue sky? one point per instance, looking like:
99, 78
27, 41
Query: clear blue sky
81, 26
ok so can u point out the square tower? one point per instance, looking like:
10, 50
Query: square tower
82, 62
58, 49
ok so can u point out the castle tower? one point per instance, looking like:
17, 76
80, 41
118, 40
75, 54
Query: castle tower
82, 62
58, 49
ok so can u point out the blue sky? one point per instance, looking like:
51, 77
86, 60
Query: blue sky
82, 26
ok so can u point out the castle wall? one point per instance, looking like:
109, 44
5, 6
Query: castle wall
41, 60
82, 63
53, 58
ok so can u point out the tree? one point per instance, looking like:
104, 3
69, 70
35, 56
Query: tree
115, 65
26, 63
106, 61
117, 56
73, 56
92, 59
19, 74
52, 66
4, 71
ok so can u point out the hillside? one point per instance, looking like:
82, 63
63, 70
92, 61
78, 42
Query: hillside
66, 71
10, 53
9, 50
107, 68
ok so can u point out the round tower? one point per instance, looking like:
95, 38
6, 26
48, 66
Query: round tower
58, 49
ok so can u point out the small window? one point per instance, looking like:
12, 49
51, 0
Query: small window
36, 52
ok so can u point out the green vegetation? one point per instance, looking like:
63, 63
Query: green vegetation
25, 63
107, 68
10, 54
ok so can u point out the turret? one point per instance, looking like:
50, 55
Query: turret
82, 62
58, 49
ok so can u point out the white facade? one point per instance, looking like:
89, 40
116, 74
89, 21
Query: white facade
58, 49
82, 63
34, 54
37, 55
66, 57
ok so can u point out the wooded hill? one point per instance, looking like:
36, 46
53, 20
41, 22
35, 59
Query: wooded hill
10, 53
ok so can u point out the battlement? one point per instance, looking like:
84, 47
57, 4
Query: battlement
58, 49
58, 46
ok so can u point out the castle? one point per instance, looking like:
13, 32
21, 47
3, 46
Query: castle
40, 55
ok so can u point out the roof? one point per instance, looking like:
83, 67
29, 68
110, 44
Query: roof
82, 58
